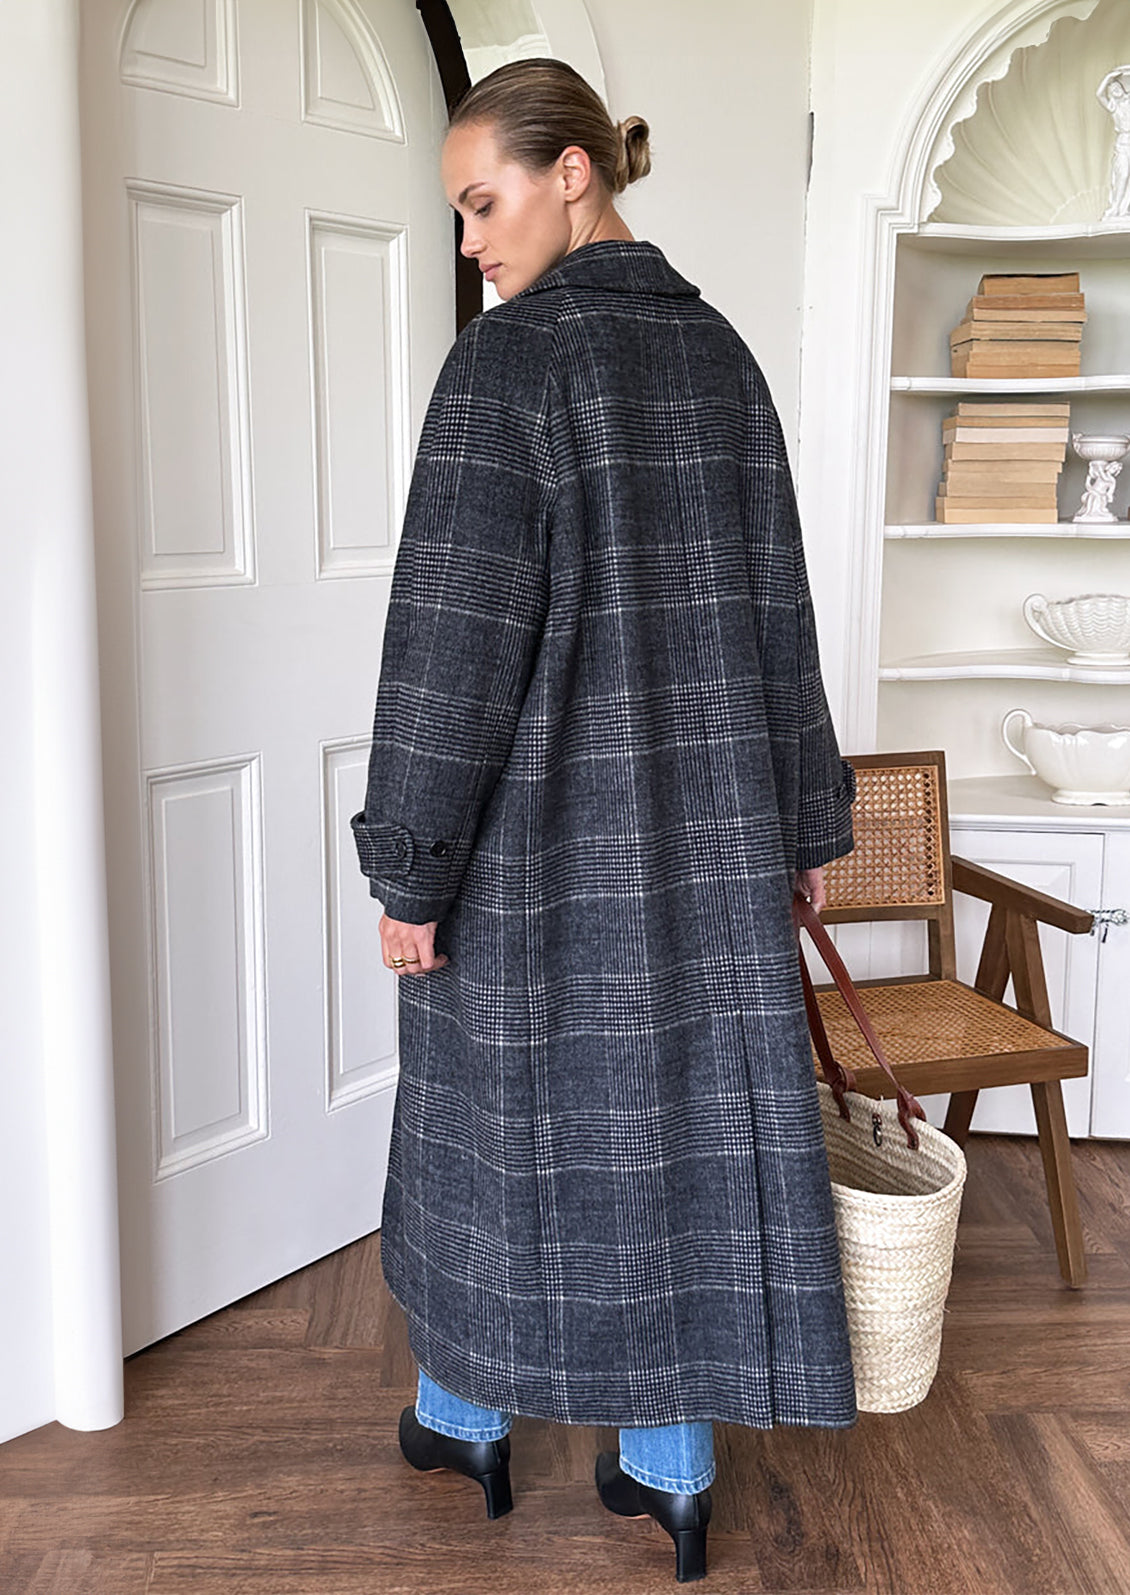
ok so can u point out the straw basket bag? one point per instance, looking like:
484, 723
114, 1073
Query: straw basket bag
896, 1207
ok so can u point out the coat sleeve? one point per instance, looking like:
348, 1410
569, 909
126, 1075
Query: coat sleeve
818, 785
467, 605
827, 780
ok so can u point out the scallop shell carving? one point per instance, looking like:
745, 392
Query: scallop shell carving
1037, 149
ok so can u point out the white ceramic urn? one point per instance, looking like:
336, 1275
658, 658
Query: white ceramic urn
1083, 764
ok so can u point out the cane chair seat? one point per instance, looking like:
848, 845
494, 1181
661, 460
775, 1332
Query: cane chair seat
922, 1022
939, 1033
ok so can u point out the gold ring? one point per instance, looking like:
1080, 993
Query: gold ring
398, 960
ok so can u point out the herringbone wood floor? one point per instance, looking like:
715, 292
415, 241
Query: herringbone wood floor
258, 1455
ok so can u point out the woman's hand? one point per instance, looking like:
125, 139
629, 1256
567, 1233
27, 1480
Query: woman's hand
811, 883
416, 943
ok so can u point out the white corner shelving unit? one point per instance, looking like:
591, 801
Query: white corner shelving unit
955, 651
956, 654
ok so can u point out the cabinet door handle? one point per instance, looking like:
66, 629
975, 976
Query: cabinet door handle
1106, 917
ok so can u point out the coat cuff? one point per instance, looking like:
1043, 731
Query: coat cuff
825, 825
415, 877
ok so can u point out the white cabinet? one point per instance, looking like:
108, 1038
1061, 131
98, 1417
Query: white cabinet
1086, 863
1067, 865
1110, 1089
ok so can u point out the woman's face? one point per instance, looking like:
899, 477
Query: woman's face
516, 223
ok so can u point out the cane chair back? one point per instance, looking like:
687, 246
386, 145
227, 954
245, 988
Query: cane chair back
900, 866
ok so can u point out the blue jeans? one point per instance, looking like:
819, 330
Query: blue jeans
672, 1456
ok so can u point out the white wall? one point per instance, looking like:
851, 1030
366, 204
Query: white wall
60, 1340
724, 89
25, 1325
875, 66
26, 1384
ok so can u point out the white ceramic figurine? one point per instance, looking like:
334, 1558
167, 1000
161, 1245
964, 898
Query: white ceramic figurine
1114, 94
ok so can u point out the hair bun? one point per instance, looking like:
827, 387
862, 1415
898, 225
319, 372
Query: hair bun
635, 151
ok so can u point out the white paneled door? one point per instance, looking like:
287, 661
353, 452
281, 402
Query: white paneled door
270, 297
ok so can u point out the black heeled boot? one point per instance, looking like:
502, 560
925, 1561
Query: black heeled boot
488, 1461
683, 1516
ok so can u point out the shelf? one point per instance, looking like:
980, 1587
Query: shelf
1012, 664
1025, 797
1101, 241
1114, 530
1114, 383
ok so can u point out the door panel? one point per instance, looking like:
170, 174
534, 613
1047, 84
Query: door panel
270, 297
1110, 1094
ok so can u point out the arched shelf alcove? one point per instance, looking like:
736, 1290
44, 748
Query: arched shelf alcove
1007, 170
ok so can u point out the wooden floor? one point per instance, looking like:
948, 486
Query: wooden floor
258, 1454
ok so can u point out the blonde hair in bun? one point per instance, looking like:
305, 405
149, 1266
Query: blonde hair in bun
634, 160
539, 106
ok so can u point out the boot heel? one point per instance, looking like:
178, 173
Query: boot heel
496, 1487
690, 1555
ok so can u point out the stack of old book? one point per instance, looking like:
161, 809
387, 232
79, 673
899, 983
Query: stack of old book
1002, 463
1025, 326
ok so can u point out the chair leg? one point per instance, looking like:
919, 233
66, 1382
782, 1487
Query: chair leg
958, 1115
1051, 1122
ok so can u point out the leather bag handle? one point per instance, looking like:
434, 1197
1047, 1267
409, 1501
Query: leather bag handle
838, 1075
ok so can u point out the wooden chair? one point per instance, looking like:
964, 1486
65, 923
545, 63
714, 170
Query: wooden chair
939, 1033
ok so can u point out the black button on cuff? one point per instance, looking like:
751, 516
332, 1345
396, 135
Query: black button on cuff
438, 849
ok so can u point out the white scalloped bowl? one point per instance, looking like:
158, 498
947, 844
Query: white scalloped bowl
1095, 625
1084, 764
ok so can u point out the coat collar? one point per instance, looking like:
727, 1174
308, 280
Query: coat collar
632, 265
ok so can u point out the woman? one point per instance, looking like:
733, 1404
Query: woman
602, 756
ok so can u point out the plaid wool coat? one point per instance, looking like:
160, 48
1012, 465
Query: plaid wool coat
601, 748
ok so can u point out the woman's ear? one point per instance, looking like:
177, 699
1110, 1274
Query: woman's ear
576, 170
